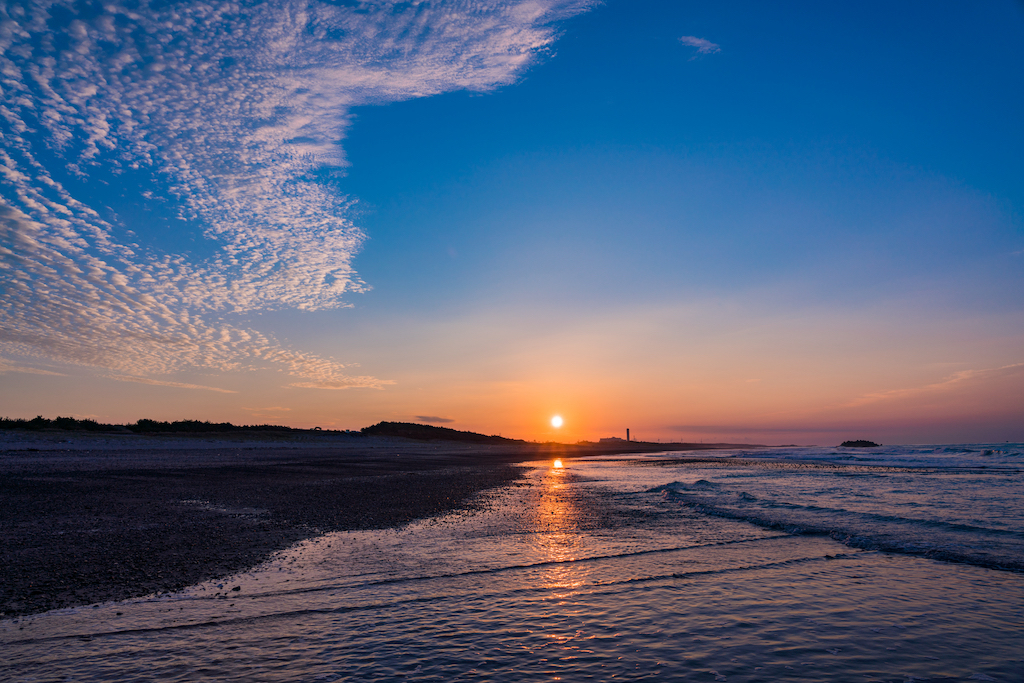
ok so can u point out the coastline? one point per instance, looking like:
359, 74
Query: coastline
599, 552
89, 518
100, 520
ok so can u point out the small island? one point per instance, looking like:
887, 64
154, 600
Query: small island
859, 443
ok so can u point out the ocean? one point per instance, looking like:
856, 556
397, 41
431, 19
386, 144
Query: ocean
897, 563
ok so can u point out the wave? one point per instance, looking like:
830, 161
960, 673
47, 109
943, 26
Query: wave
655, 565
936, 539
945, 456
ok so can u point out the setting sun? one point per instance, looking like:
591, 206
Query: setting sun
759, 319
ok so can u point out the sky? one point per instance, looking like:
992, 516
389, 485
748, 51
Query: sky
703, 221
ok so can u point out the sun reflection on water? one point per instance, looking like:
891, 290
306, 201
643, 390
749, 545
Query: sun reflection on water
557, 520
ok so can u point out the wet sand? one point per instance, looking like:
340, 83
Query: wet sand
86, 519
588, 571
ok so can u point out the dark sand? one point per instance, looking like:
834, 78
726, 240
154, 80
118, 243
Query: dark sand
81, 525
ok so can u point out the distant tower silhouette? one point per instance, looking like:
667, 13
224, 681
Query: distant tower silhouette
627, 433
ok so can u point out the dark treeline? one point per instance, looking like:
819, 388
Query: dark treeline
143, 426
411, 430
154, 426
406, 430
41, 422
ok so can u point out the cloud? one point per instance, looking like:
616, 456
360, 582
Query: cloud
946, 384
430, 419
226, 121
161, 383
704, 47
734, 429
345, 383
272, 413
7, 366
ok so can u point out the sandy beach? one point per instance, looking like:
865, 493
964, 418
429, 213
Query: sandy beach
814, 564
88, 518
92, 518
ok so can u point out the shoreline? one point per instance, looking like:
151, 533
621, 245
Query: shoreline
600, 551
89, 518
83, 526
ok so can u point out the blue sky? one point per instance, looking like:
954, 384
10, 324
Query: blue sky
701, 219
812, 134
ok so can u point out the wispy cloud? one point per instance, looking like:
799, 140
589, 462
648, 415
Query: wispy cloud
704, 47
431, 419
7, 366
161, 383
738, 429
229, 117
946, 384
272, 413
344, 383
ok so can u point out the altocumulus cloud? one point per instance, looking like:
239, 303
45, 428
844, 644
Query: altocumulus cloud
226, 119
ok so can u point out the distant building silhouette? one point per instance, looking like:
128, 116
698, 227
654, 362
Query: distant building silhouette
613, 439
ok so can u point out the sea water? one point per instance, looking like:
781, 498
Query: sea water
809, 564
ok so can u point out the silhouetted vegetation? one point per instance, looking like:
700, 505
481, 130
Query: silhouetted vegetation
859, 443
197, 427
411, 430
68, 423
406, 430
143, 426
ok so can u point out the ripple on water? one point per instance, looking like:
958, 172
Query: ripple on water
573, 578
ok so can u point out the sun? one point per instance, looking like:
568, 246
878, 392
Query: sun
556, 421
